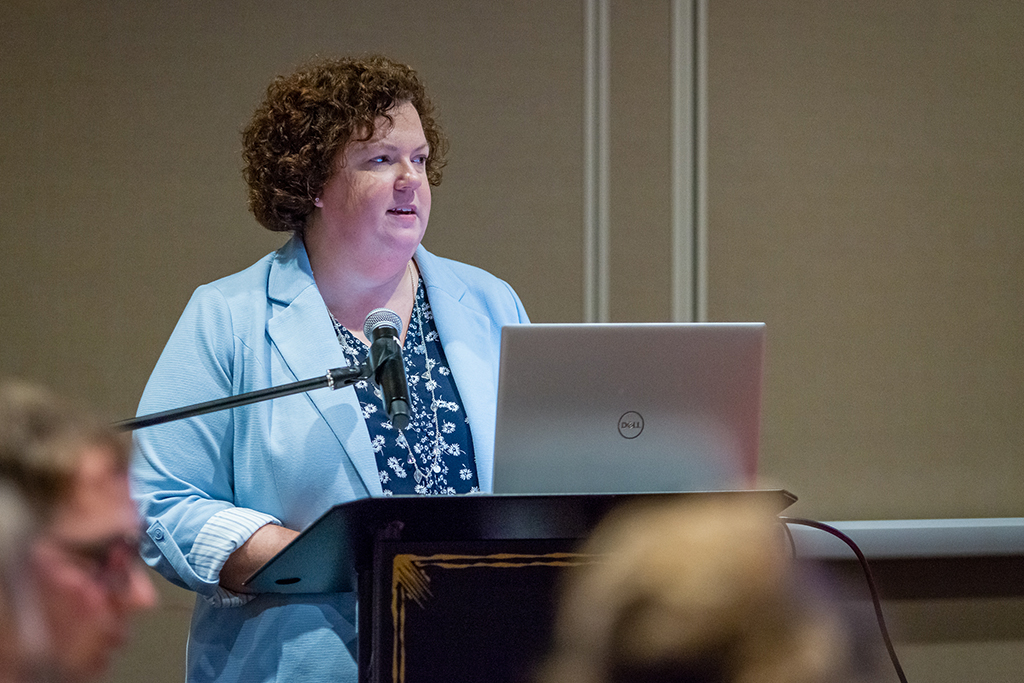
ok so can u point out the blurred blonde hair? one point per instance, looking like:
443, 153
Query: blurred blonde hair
695, 591
42, 439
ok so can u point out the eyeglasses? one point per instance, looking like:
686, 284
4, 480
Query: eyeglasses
109, 561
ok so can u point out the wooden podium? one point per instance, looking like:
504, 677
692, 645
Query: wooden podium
451, 588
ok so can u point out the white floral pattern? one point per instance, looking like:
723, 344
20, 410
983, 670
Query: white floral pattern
436, 449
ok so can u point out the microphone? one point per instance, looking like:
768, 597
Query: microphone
383, 328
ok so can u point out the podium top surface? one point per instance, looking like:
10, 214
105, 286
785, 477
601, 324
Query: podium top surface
327, 555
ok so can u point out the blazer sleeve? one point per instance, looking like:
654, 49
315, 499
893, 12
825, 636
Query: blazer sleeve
182, 471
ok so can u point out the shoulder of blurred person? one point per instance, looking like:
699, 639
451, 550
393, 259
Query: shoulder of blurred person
15, 531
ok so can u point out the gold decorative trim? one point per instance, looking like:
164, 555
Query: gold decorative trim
410, 583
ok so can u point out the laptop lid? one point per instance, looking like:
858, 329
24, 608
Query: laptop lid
628, 407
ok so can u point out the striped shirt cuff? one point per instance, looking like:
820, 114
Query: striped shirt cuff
223, 534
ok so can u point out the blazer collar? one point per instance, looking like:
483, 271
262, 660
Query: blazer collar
303, 334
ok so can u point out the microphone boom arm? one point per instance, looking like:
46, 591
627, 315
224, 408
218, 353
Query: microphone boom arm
335, 378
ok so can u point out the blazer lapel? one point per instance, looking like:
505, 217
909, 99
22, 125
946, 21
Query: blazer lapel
304, 336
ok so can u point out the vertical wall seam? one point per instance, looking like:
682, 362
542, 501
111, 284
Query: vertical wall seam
596, 159
682, 228
688, 183
700, 115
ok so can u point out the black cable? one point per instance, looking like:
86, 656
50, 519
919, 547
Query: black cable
875, 600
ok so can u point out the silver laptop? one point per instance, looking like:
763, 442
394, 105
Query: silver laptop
628, 407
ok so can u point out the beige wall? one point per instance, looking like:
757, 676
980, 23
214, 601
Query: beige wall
865, 178
865, 171
864, 199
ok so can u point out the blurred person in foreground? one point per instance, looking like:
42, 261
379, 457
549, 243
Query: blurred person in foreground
700, 592
15, 620
71, 577
341, 156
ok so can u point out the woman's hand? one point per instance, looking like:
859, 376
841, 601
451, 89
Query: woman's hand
254, 553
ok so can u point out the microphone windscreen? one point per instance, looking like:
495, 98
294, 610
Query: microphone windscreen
382, 316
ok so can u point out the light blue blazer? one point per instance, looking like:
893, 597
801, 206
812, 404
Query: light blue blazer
293, 457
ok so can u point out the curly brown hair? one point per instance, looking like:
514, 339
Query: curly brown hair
309, 117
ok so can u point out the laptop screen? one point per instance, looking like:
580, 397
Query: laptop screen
628, 407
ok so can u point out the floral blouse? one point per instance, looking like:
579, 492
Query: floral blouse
434, 455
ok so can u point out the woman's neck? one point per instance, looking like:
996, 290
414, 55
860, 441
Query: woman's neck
350, 295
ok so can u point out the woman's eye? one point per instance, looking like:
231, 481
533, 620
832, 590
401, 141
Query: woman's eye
379, 160
420, 159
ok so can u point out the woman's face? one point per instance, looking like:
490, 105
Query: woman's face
376, 205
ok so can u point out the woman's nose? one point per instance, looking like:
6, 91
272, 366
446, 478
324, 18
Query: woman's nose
410, 176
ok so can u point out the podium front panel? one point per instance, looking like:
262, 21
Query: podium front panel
465, 612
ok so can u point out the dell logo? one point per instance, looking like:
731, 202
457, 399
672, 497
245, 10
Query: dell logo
631, 424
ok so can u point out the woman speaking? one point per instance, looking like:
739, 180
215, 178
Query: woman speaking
341, 154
